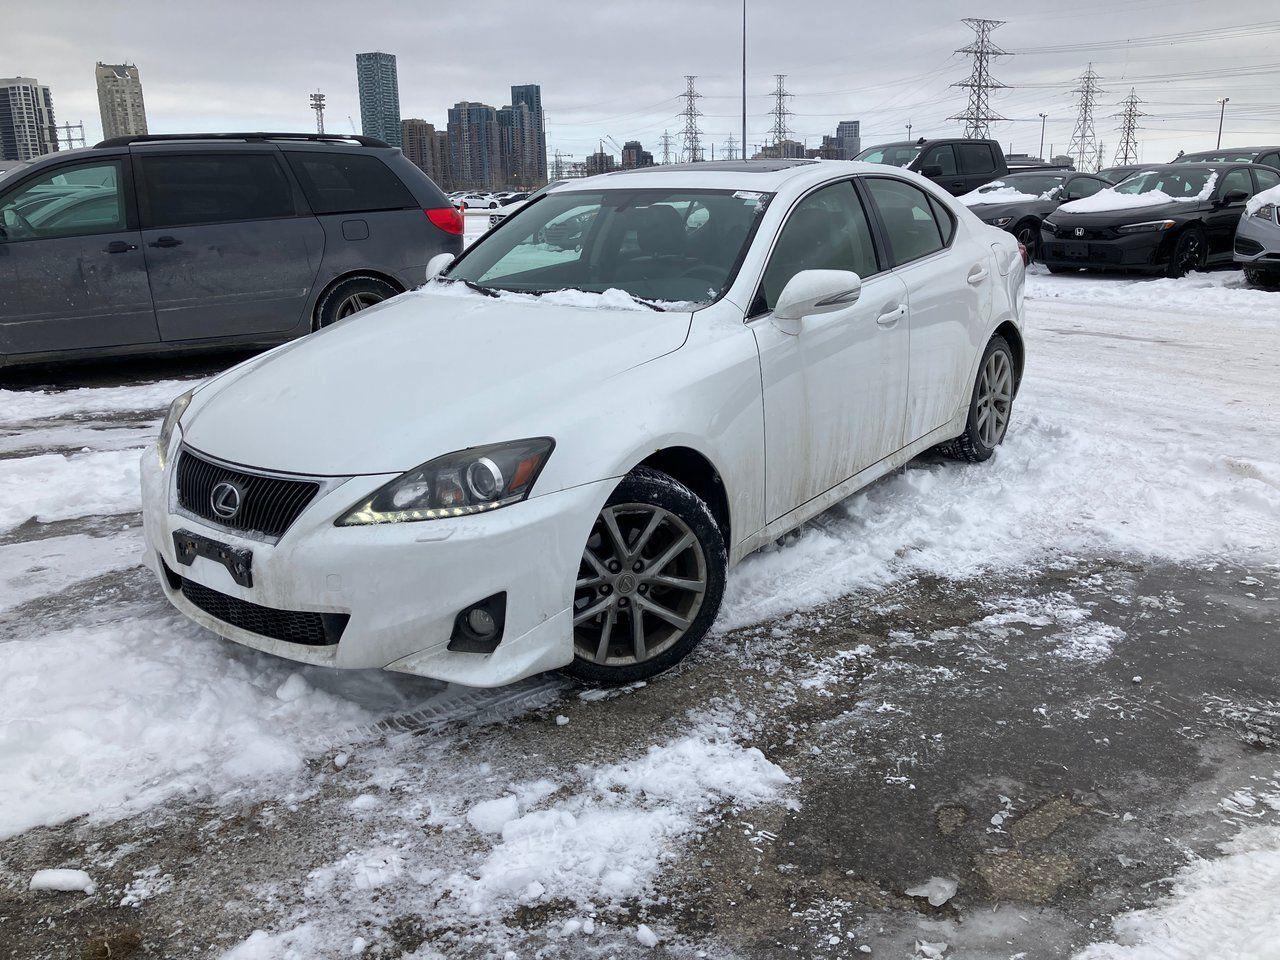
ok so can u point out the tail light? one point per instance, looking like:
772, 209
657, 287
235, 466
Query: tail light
448, 219
1026, 257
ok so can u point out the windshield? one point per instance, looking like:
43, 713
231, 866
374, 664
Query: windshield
1034, 184
1224, 156
660, 246
894, 154
1178, 184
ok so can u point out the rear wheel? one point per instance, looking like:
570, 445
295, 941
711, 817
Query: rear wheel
650, 581
990, 407
350, 297
1188, 254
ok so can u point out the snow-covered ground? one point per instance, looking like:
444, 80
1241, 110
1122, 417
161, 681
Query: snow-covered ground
1148, 426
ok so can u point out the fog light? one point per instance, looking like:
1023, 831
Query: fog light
478, 628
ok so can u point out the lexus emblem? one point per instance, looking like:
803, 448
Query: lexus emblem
1079, 231
225, 499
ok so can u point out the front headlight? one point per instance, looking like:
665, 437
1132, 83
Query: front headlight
1001, 221
458, 484
176, 410
1049, 225
1149, 226
1267, 211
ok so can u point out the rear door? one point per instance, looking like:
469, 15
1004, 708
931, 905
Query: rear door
72, 273
228, 251
977, 164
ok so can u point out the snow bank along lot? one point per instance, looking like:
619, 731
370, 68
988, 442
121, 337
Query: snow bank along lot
391, 817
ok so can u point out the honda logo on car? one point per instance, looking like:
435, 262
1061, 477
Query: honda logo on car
1079, 231
225, 499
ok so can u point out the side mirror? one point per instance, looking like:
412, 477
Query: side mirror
813, 292
931, 170
439, 264
1234, 196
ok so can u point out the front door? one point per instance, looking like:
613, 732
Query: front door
1222, 220
227, 251
72, 273
834, 393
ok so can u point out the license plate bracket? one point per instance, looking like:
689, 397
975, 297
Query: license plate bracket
237, 560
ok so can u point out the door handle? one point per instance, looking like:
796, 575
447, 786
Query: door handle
165, 242
119, 246
977, 275
893, 316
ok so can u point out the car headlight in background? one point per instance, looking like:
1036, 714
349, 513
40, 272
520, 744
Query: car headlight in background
457, 484
1149, 226
176, 410
1267, 211
1049, 225
1001, 221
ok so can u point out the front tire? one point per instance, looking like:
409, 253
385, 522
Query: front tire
1027, 233
1188, 254
649, 583
1264, 279
990, 407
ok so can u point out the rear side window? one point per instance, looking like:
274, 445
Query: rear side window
827, 230
1269, 160
182, 190
946, 222
349, 183
976, 157
908, 219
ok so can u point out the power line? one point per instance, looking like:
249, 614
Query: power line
692, 135
977, 116
1127, 152
1085, 149
780, 111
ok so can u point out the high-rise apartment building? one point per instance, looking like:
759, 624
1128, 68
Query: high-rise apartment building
518, 141
849, 133
422, 145
379, 96
27, 127
120, 100
635, 155
475, 146
530, 95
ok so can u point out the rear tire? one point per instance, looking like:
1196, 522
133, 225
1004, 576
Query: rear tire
1188, 254
1265, 279
349, 297
650, 581
990, 406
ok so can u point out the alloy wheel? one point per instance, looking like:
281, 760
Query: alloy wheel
355, 302
995, 398
1189, 254
640, 585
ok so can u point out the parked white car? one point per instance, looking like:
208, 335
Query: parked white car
551, 454
477, 201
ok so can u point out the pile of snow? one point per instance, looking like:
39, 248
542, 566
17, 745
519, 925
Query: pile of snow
56, 487
35, 568
1113, 199
1217, 908
611, 299
17, 406
1260, 200
607, 841
998, 192
1203, 294
110, 719
65, 881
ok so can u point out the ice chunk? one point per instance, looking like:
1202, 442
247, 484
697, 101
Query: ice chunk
67, 881
938, 890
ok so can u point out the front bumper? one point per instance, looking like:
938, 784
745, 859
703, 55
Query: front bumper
401, 585
1137, 251
1257, 243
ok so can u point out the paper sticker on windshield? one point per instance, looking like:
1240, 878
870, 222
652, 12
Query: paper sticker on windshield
755, 199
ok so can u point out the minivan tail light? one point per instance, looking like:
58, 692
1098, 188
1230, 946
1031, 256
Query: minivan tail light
448, 219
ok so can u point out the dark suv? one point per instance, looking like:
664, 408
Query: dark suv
158, 243
956, 165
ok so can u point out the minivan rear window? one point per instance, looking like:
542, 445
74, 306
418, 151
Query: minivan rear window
348, 182
185, 189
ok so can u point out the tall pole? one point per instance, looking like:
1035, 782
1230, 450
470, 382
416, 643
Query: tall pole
1042, 119
744, 79
1221, 116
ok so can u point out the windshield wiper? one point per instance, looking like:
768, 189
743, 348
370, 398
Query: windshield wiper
472, 285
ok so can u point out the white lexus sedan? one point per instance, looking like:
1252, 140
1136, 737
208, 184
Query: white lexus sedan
551, 454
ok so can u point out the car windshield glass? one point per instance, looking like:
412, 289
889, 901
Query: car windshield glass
1179, 184
894, 154
1034, 184
1226, 156
660, 246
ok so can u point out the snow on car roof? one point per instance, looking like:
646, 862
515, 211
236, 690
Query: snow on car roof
761, 175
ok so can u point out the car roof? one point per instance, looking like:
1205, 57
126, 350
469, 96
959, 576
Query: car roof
766, 176
1214, 153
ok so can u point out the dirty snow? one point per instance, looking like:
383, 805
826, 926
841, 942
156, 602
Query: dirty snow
35, 568
53, 486
17, 406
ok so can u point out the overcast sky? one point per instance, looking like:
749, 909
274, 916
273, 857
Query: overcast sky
617, 68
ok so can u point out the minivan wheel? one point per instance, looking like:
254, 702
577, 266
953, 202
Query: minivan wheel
1188, 254
351, 296
649, 583
990, 407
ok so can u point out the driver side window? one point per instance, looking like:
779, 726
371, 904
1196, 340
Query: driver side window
828, 230
67, 202
1237, 179
942, 157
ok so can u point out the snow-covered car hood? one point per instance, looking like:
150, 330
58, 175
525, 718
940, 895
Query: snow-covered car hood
1167, 209
424, 374
1013, 208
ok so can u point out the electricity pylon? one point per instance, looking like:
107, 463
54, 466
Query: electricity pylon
978, 115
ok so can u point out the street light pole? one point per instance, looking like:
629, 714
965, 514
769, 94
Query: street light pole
1222, 116
908, 129
744, 79
1042, 119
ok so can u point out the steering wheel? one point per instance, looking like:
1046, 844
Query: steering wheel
704, 271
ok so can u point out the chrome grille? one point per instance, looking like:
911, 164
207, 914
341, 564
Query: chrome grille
269, 505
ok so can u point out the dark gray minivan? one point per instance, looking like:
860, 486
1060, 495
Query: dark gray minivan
149, 244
